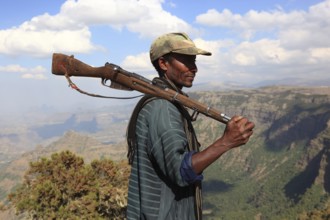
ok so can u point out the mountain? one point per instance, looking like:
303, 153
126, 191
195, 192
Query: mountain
290, 81
285, 168
54, 130
22, 133
81, 144
282, 173
287, 82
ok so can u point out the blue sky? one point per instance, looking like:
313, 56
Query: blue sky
250, 41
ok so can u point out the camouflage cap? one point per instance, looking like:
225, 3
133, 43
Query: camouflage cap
175, 43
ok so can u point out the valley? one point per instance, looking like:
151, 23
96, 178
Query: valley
283, 172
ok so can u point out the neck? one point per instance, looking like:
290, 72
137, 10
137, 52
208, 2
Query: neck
173, 85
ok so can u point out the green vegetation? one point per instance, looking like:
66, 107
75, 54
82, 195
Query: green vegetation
283, 173
63, 187
276, 194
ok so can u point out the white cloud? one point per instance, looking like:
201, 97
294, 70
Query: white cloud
69, 30
318, 55
261, 52
38, 76
276, 22
273, 44
109, 12
37, 72
265, 59
57, 22
140, 64
137, 62
12, 69
293, 42
44, 34
42, 43
214, 18
155, 17
143, 17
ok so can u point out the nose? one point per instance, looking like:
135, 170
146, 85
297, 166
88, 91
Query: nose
191, 65
193, 68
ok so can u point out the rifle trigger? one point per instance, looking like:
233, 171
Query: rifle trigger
104, 82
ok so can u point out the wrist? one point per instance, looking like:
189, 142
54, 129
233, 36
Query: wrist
223, 145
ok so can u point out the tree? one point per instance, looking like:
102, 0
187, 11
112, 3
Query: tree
63, 187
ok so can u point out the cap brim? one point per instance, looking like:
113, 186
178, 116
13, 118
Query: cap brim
192, 51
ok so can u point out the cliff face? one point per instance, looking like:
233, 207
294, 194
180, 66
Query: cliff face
283, 171
288, 154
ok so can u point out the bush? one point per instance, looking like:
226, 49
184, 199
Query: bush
63, 187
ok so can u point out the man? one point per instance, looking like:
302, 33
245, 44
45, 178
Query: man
166, 164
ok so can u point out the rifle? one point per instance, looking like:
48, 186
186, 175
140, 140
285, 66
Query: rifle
125, 80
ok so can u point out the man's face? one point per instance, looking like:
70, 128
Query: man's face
181, 69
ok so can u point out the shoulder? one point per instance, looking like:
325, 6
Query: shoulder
159, 105
160, 109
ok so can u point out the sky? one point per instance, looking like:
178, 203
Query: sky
250, 41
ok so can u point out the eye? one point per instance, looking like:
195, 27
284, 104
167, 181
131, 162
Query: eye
189, 59
192, 60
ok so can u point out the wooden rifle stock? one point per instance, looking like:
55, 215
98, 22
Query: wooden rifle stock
69, 66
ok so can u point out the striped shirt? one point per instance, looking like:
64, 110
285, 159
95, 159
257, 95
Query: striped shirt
156, 187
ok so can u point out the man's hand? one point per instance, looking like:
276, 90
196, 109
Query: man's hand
238, 132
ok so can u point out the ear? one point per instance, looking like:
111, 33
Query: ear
162, 64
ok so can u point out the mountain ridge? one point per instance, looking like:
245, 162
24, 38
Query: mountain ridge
290, 146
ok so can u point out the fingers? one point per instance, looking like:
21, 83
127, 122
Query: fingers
249, 125
242, 121
237, 118
244, 126
238, 131
247, 135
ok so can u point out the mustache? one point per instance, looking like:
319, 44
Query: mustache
191, 72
